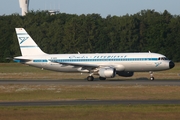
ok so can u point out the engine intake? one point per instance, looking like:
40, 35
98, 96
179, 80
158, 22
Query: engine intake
107, 72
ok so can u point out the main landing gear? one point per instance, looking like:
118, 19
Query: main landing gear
151, 76
90, 78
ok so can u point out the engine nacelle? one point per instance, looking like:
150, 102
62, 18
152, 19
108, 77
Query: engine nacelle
107, 72
125, 74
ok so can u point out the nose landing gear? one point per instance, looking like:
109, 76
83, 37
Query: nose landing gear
151, 76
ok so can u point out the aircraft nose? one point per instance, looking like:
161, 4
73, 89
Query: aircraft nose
171, 64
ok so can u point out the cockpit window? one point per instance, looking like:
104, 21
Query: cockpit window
162, 58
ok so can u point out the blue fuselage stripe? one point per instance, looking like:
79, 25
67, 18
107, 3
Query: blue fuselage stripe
92, 60
104, 60
36, 61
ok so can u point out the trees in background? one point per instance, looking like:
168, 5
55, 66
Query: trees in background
145, 31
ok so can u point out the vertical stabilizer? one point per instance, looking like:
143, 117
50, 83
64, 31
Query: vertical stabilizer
27, 44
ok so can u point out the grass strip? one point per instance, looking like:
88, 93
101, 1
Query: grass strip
105, 112
100, 92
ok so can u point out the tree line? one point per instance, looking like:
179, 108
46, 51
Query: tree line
144, 31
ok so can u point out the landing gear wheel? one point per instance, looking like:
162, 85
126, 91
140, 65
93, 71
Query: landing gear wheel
151, 78
90, 78
102, 78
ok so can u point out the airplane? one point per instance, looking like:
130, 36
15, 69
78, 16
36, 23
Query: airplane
105, 65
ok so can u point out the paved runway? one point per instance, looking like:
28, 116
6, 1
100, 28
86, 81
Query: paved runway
84, 82
89, 102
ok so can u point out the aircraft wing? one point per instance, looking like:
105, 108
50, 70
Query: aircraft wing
87, 66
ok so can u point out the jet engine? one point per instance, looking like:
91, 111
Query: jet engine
125, 74
107, 72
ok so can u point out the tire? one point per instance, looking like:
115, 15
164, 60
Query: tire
152, 78
90, 78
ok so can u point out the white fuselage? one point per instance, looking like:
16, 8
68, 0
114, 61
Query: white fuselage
135, 62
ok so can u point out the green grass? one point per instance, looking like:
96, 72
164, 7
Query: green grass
14, 68
100, 112
102, 92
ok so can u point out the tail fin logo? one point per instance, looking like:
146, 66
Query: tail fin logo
23, 39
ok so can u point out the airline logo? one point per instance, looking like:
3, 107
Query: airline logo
22, 39
158, 63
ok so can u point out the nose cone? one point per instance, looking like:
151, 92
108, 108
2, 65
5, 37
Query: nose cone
171, 64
